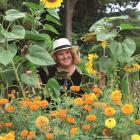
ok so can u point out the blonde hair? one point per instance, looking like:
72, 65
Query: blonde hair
75, 55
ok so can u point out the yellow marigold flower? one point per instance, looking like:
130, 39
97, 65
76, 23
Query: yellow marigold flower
54, 113
3, 101
86, 126
10, 136
78, 101
49, 135
41, 121
73, 130
104, 43
9, 108
70, 120
24, 133
116, 95
109, 111
87, 107
90, 117
75, 88
135, 137
44, 104
127, 109
52, 3
110, 123
137, 121
8, 124
2, 138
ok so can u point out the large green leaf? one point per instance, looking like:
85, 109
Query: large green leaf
18, 32
29, 80
53, 13
33, 6
13, 14
125, 26
39, 56
106, 64
50, 28
2, 38
34, 36
52, 19
122, 51
53, 87
99, 24
104, 34
6, 56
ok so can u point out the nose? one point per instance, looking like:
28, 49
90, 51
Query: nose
65, 55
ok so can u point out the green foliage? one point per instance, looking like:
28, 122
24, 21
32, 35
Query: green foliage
25, 37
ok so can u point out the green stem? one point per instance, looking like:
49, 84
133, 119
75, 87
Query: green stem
128, 88
17, 78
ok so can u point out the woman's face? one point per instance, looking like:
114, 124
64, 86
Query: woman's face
64, 58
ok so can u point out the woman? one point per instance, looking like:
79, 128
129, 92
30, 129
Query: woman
65, 71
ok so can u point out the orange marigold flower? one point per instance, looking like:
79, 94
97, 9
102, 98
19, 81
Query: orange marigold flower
127, 109
8, 124
49, 135
31, 135
137, 121
109, 111
90, 117
62, 114
75, 88
9, 108
70, 120
1, 124
3, 101
116, 95
34, 107
96, 90
44, 104
24, 133
41, 121
89, 98
87, 107
79, 101
73, 130
86, 126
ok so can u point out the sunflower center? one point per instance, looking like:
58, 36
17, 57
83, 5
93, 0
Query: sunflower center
52, 1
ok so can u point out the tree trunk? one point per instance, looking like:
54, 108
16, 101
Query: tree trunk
69, 6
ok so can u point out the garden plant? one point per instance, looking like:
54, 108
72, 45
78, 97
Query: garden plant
109, 109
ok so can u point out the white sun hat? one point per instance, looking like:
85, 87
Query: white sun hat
60, 44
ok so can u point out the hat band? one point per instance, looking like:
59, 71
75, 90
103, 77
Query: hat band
62, 47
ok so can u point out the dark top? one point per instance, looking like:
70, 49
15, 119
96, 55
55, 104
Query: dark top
63, 80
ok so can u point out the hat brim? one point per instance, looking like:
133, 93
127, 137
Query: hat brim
69, 47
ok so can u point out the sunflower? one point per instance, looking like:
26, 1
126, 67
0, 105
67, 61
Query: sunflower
52, 4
